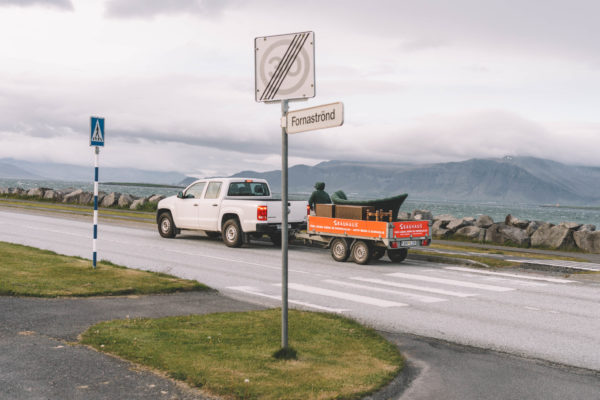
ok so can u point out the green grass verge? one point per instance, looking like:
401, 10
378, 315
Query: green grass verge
28, 271
511, 253
231, 354
147, 212
490, 261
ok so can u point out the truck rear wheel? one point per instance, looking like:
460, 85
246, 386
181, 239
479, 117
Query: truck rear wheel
361, 252
397, 255
340, 250
166, 227
232, 233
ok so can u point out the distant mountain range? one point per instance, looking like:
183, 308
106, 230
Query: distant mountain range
19, 169
506, 180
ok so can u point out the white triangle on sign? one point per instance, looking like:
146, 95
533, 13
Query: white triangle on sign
97, 137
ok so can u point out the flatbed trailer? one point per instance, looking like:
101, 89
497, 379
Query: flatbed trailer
367, 240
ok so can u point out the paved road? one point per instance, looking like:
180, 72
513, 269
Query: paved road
529, 314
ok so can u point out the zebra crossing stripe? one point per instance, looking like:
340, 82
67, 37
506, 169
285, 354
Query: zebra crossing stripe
509, 275
346, 296
413, 287
254, 291
452, 282
418, 297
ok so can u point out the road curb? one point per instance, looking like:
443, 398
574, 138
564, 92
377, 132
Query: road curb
447, 260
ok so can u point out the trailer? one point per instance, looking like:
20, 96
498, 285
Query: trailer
366, 240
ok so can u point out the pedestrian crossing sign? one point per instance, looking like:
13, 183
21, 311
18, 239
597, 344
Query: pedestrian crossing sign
97, 131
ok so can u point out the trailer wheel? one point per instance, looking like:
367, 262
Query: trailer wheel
361, 252
339, 249
397, 255
378, 252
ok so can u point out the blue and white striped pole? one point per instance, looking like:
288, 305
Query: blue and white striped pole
94, 249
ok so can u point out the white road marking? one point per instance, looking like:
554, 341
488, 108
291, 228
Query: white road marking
254, 291
532, 308
418, 297
414, 287
451, 282
535, 278
345, 296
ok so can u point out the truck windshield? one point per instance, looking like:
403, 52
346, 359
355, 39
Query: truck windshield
248, 189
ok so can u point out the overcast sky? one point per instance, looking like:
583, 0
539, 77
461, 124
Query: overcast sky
421, 81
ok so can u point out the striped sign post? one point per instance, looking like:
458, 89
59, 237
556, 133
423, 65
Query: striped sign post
96, 140
284, 71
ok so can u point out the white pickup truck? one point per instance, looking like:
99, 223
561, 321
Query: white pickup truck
236, 208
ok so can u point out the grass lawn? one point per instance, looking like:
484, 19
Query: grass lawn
28, 271
507, 252
231, 354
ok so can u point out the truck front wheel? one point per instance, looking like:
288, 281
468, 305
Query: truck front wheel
361, 252
166, 227
232, 233
398, 255
339, 249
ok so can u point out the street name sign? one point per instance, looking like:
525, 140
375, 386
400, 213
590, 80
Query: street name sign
284, 67
313, 118
97, 131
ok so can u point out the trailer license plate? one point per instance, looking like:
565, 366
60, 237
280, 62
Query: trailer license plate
408, 243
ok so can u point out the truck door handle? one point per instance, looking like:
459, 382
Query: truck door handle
214, 205
195, 205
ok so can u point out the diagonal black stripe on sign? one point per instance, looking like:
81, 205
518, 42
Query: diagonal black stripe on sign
291, 62
282, 67
279, 68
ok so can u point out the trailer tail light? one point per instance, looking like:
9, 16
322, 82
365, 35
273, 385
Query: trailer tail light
425, 242
261, 213
394, 245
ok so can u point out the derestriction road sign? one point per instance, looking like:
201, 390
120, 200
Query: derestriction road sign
284, 67
96, 131
319, 117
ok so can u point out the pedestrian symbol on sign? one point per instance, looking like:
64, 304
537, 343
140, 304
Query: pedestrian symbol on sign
97, 131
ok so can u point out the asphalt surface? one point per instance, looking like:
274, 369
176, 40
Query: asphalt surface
539, 319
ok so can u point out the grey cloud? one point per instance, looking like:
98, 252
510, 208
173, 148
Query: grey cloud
64, 4
151, 8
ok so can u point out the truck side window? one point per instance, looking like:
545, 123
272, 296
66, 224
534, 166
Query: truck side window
212, 191
196, 190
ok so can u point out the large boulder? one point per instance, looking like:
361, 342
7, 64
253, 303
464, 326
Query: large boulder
72, 197
554, 237
16, 190
85, 198
401, 215
570, 225
125, 200
421, 215
445, 218
533, 226
484, 221
517, 223
459, 223
138, 203
155, 198
505, 234
470, 232
110, 199
53, 195
588, 241
437, 229
587, 228
35, 192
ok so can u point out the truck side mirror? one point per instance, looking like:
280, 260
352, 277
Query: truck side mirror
180, 195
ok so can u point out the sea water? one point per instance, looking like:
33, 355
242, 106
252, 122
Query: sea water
498, 211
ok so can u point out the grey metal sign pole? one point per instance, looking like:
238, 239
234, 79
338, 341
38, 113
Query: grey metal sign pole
284, 228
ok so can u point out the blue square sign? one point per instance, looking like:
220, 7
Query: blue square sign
97, 131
